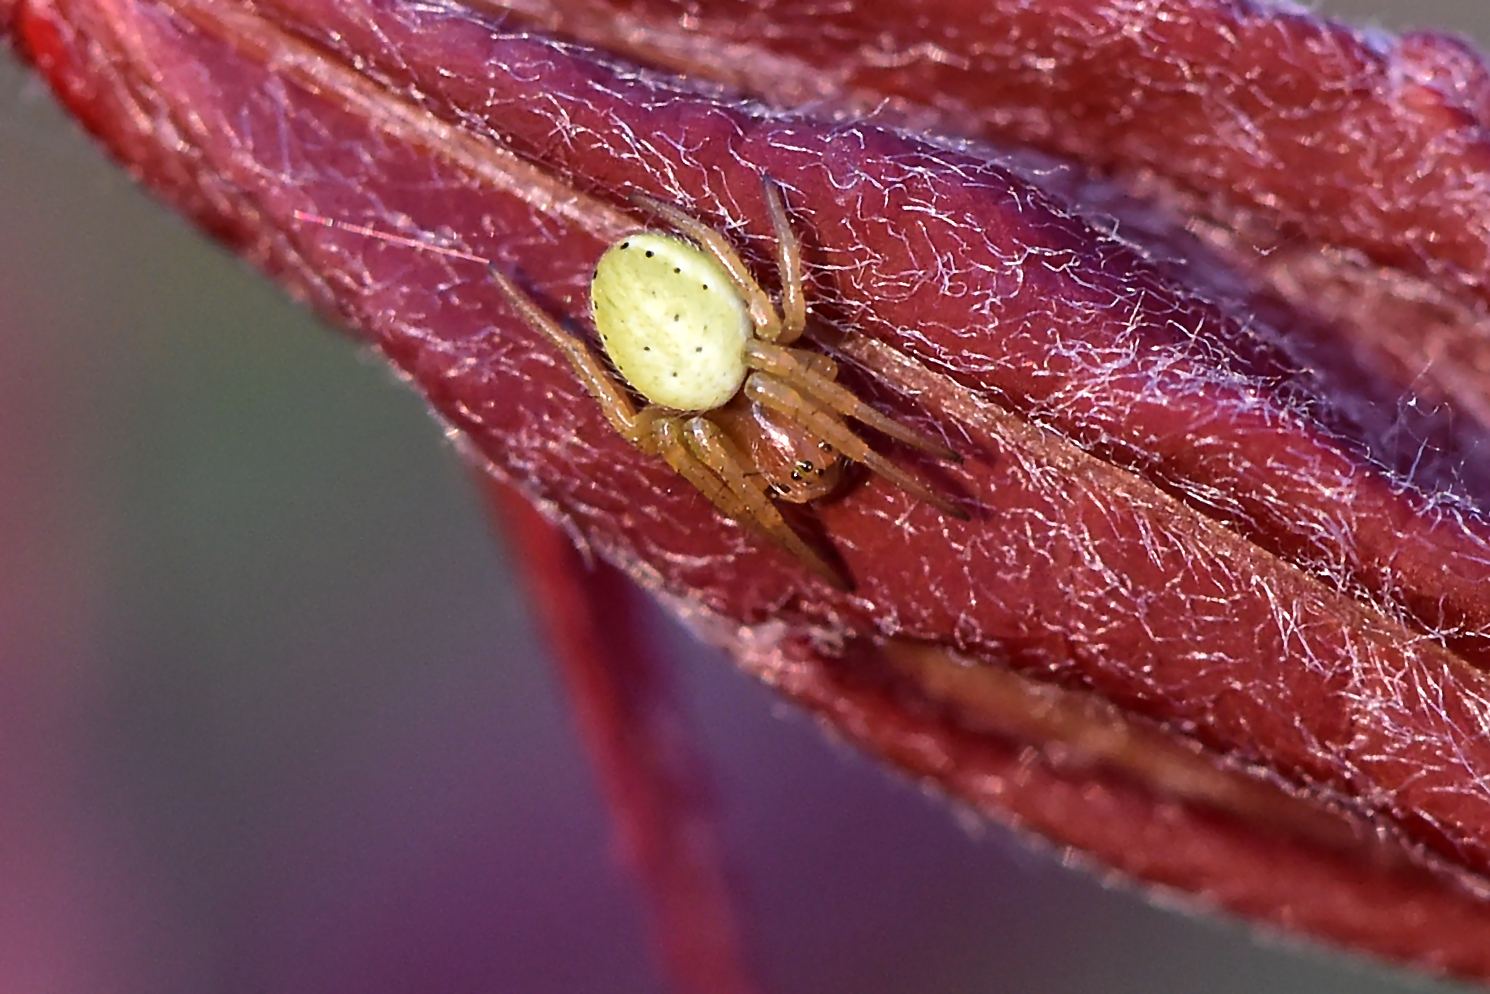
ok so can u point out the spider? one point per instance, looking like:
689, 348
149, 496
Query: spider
731, 406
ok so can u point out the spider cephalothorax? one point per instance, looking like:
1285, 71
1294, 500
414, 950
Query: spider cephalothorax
730, 406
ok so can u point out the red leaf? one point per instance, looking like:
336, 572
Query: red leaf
1200, 482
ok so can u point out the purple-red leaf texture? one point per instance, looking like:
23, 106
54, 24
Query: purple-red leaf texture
1197, 289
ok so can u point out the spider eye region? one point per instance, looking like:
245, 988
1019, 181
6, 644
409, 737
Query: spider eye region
671, 320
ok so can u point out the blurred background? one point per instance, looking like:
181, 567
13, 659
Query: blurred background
273, 716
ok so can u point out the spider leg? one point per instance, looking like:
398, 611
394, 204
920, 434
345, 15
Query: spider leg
738, 494
618, 409
782, 396
805, 371
767, 322
668, 441
817, 363
788, 264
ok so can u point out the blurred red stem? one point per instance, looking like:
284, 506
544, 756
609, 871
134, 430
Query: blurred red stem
639, 745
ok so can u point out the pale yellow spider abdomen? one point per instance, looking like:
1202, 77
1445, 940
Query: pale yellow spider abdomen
671, 321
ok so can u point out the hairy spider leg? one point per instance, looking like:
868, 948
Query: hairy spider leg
762, 314
753, 505
788, 265
806, 372
669, 441
780, 395
698, 452
614, 403
817, 363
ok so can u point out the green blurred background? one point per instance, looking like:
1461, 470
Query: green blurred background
273, 716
